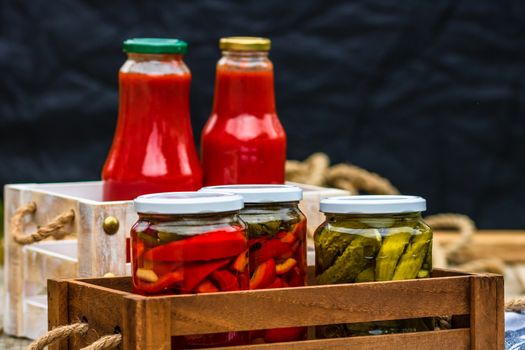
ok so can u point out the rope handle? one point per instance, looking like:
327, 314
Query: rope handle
64, 332
59, 333
53, 228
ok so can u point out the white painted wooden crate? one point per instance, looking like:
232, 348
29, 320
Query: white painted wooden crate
89, 253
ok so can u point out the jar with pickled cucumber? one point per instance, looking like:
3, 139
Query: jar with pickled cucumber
277, 241
373, 238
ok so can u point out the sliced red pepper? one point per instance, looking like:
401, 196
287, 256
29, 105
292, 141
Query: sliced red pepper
206, 287
286, 266
257, 337
278, 335
254, 241
290, 252
195, 273
223, 243
286, 236
299, 229
241, 262
263, 275
244, 280
168, 280
225, 279
295, 278
137, 249
277, 283
162, 268
269, 250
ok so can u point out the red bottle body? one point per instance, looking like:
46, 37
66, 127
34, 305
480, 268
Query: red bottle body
243, 141
153, 148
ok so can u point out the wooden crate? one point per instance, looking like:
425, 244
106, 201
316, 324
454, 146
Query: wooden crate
475, 300
97, 252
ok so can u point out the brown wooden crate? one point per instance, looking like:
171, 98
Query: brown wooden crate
150, 322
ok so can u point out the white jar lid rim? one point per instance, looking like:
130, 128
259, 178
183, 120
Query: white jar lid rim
187, 203
261, 193
373, 204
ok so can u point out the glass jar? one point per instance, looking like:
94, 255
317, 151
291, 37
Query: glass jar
277, 241
190, 242
373, 238
243, 141
153, 148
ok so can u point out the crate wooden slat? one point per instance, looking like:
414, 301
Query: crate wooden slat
456, 339
150, 322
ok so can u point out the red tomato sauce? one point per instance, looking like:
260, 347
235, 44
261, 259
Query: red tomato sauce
153, 148
243, 142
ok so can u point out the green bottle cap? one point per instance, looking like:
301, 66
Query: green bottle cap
155, 45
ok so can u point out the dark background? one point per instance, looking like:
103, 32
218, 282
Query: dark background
430, 94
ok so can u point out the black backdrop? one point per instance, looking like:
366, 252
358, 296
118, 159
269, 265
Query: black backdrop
427, 93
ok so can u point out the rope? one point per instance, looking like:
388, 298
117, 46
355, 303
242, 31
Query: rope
515, 305
316, 170
311, 171
53, 228
461, 223
59, 333
354, 177
64, 332
491, 265
106, 342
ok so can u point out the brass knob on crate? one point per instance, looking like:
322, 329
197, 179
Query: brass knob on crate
110, 225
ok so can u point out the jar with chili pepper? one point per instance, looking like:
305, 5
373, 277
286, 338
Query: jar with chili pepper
153, 148
277, 241
190, 242
243, 141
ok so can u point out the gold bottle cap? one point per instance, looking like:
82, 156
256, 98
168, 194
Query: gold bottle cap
245, 43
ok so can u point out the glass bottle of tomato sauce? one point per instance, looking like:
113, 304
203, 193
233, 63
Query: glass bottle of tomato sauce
191, 243
153, 148
243, 141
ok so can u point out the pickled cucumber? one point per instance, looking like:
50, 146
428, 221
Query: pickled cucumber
427, 263
411, 261
353, 260
367, 275
393, 246
328, 246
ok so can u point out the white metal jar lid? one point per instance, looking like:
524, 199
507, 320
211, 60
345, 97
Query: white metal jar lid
373, 204
187, 203
261, 193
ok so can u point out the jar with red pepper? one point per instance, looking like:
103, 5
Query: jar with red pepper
277, 241
190, 242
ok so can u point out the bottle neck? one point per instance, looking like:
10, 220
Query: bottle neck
244, 84
154, 88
